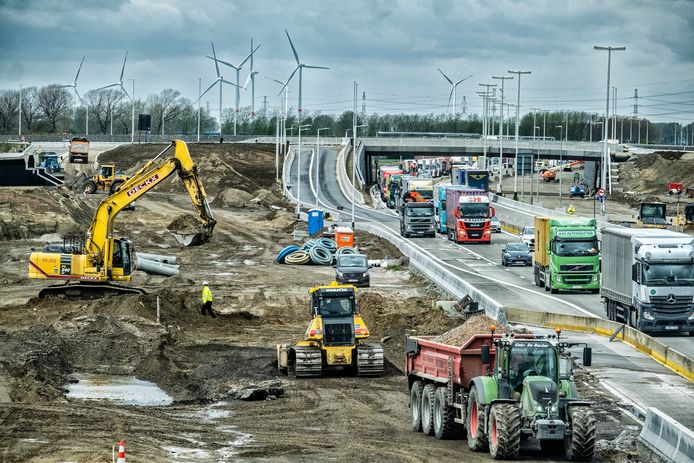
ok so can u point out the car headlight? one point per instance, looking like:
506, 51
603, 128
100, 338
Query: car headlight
539, 407
339, 274
691, 317
647, 315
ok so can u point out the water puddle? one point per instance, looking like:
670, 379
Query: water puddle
126, 390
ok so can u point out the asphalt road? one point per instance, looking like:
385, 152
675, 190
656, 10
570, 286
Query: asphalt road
478, 264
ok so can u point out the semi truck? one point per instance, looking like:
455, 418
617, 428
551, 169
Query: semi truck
472, 178
468, 216
500, 389
567, 255
383, 173
393, 189
417, 219
440, 204
648, 279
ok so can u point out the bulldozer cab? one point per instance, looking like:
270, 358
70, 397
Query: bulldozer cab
333, 301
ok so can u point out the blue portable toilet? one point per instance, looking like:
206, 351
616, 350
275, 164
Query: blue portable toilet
315, 221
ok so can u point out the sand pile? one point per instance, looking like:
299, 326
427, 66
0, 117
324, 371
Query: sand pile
478, 324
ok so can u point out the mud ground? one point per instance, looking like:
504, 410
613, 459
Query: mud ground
201, 361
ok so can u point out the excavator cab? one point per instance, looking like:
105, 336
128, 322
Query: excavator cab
334, 339
122, 258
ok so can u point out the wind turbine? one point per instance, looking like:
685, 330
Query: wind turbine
238, 72
221, 80
73, 85
453, 88
299, 67
251, 77
131, 98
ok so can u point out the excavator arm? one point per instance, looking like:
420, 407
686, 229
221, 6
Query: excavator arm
100, 234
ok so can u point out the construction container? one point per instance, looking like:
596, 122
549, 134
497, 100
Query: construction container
344, 236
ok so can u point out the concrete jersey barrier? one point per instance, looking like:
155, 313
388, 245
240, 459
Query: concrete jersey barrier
668, 437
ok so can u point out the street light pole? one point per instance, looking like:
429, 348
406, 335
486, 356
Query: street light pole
298, 175
561, 155
317, 154
485, 125
605, 152
515, 165
199, 109
20, 111
501, 132
537, 177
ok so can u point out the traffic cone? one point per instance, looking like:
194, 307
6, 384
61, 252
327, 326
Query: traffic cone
121, 452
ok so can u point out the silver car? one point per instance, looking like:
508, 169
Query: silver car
495, 225
527, 236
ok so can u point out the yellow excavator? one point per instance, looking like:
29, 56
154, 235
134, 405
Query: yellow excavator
90, 266
335, 339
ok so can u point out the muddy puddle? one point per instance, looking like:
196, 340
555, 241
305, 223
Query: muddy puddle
125, 390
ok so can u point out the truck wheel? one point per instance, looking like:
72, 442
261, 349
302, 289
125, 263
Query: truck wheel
476, 423
445, 426
71, 159
504, 431
416, 405
580, 443
90, 187
428, 409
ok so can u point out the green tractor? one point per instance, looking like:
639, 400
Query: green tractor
530, 393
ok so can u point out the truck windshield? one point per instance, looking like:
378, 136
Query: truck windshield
419, 211
669, 274
577, 248
531, 359
426, 194
336, 306
474, 210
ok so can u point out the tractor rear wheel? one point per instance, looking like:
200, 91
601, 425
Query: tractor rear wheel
579, 444
428, 409
476, 423
504, 431
115, 185
445, 426
416, 405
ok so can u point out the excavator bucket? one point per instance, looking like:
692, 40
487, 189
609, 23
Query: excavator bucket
189, 231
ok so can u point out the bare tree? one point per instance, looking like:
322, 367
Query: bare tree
30, 108
122, 116
55, 103
102, 104
164, 107
9, 110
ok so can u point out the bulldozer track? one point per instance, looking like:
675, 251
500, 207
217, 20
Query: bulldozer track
369, 360
308, 362
87, 291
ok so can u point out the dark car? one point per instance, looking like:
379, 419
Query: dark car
353, 269
516, 253
495, 225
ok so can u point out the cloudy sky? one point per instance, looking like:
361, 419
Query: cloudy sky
390, 47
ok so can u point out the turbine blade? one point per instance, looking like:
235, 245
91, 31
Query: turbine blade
108, 86
125, 91
227, 82
463, 80
247, 80
248, 57
274, 80
78, 70
79, 98
450, 95
445, 76
215, 59
313, 67
288, 80
123, 68
208, 89
67, 86
252, 54
296, 55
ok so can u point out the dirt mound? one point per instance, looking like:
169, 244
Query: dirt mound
649, 174
376, 247
32, 212
477, 324
247, 167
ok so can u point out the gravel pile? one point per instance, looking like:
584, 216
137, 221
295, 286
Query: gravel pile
478, 324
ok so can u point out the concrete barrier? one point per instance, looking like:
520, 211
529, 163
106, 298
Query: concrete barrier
667, 437
344, 181
666, 356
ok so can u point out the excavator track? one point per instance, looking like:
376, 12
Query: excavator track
308, 362
369, 360
87, 291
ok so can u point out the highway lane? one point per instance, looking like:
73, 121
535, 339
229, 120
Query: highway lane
477, 264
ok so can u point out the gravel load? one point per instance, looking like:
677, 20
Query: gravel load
477, 324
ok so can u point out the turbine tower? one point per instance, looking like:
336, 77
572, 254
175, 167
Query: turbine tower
220, 79
251, 77
238, 85
73, 85
132, 100
454, 86
299, 67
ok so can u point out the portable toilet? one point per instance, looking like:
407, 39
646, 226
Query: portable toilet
344, 237
315, 221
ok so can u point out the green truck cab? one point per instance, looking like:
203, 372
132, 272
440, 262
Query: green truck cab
567, 254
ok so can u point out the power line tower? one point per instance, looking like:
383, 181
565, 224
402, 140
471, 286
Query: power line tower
464, 105
363, 103
265, 105
636, 102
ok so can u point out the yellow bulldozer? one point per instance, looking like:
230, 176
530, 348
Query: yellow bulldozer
335, 338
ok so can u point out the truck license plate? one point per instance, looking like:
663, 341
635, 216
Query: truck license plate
671, 327
577, 286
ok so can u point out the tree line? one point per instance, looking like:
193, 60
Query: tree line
53, 109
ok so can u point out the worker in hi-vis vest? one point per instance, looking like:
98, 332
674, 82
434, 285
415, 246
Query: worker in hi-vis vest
207, 300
